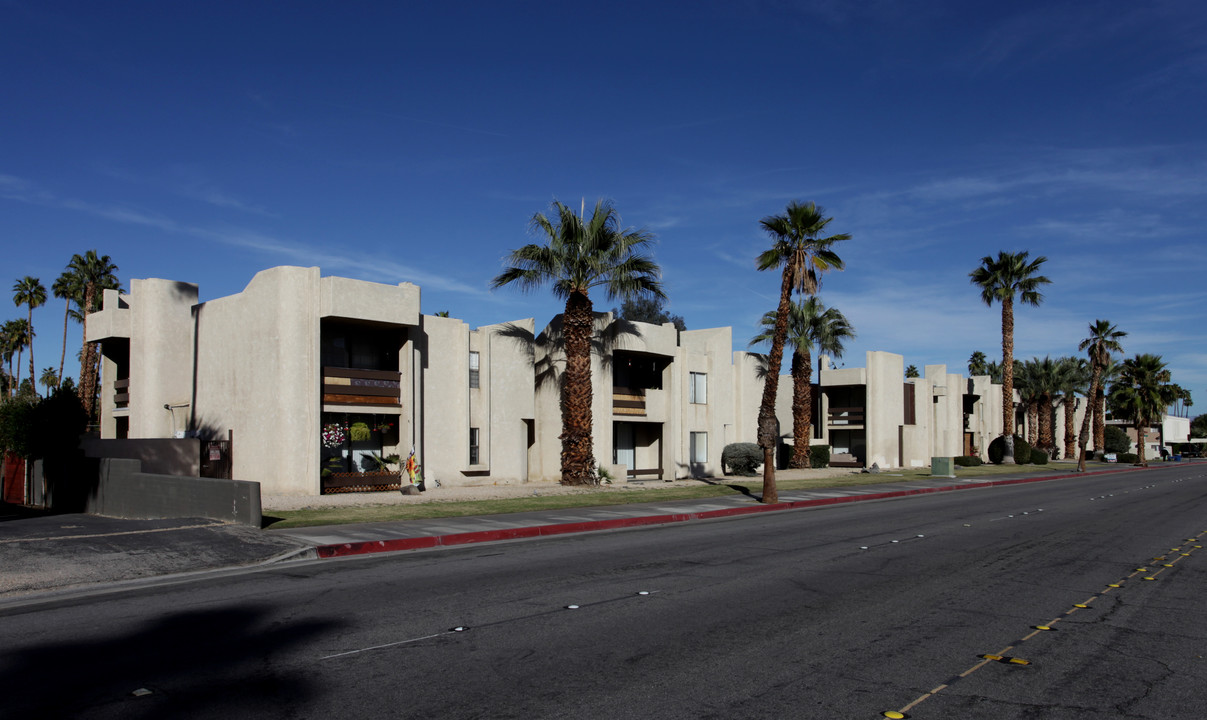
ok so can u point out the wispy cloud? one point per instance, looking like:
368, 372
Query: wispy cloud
20, 190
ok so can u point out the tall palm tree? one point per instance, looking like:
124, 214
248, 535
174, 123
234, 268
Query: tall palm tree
1103, 340
803, 254
30, 291
1073, 376
10, 340
18, 338
1109, 375
810, 325
69, 288
1142, 393
1001, 279
95, 273
1027, 384
580, 254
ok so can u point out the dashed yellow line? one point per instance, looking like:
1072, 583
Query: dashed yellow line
1001, 656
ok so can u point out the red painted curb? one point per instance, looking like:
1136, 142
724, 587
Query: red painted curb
430, 541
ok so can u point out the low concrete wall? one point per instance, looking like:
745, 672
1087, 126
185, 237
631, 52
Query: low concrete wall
124, 491
161, 456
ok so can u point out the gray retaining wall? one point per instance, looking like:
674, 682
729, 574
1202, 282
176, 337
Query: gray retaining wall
124, 491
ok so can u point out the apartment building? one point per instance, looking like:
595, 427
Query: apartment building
327, 384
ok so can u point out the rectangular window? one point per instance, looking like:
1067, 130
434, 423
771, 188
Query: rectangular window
474, 377
697, 390
699, 447
473, 446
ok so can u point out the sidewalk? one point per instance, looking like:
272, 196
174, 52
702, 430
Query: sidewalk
41, 554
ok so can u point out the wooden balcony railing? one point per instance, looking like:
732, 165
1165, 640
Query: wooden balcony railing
628, 401
845, 416
347, 386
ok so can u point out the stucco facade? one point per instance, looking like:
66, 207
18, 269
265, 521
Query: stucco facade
318, 380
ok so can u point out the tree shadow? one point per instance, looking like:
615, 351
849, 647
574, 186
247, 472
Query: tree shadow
206, 663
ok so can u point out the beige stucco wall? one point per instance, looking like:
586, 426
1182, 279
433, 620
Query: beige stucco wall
443, 368
884, 408
258, 375
708, 352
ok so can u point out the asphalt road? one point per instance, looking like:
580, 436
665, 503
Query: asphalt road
841, 612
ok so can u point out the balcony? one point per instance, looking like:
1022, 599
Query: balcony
121, 393
348, 386
845, 417
628, 401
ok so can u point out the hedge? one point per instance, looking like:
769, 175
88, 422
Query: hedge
819, 456
742, 458
997, 450
968, 461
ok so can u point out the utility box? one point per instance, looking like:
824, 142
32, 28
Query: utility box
943, 467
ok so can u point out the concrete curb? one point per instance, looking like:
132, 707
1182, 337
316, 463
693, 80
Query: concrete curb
431, 541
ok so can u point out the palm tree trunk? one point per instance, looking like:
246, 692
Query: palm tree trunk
578, 456
33, 378
1008, 378
802, 407
768, 434
1100, 418
1033, 423
87, 379
1092, 399
1046, 439
63, 355
1140, 433
1070, 423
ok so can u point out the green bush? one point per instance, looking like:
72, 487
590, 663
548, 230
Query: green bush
967, 460
819, 456
1038, 457
742, 458
1115, 440
1022, 450
17, 426
1128, 458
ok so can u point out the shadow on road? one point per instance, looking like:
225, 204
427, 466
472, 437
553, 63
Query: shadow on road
208, 663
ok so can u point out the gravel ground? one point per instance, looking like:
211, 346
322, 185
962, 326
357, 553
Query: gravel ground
455, 493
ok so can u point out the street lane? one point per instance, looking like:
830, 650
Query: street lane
838, 612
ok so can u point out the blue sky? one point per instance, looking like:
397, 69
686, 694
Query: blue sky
205, 141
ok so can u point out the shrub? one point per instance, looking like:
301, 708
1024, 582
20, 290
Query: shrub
1038, 457
968, 461
997, 449
819, 456
1128, 458
1115, 440
742, 458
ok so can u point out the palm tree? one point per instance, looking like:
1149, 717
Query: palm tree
579, 254
1047, 384
29, 291
1027, 385
68, 287
18, 338
1073, 376
49, 379
810, 325
1000, 280
804, 255
1142, 393
978, 364
911, 371
1109, 375
10, 340
1103, 340
95, 274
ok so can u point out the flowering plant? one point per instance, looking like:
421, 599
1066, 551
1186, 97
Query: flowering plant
333, 435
